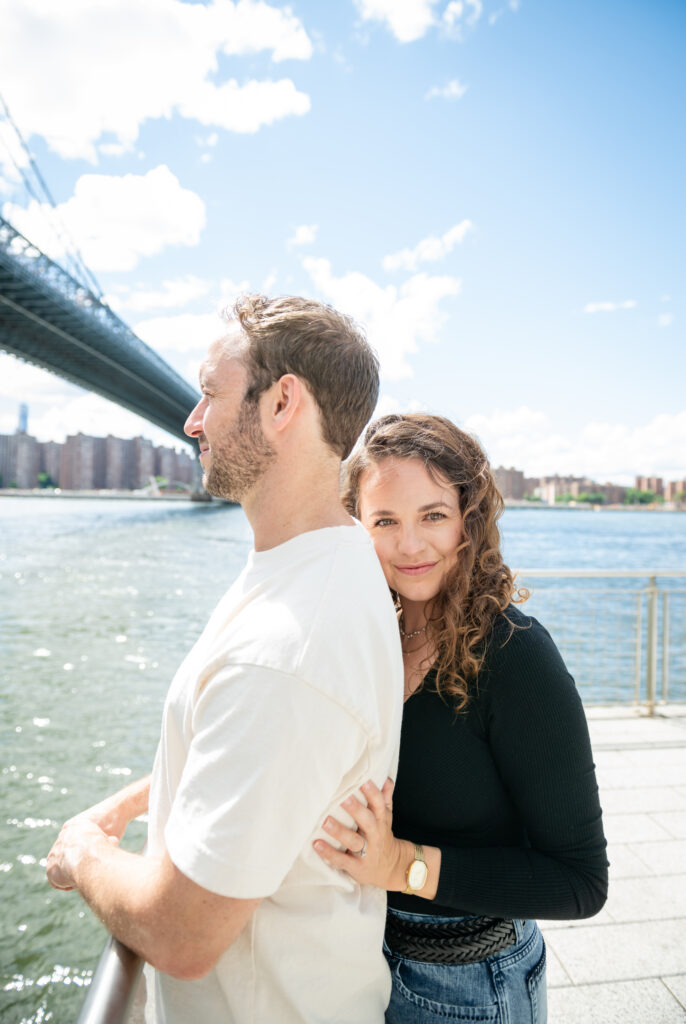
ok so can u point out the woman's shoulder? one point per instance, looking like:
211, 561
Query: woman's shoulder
520, 644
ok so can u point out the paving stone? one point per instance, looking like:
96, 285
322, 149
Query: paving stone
647, 899
635, 776
624, 828
677, 986
629, 1002
554, 971
664, 857
624, 732
648, 799
602, 917
626, 862
620, 952
673, 821
666, 764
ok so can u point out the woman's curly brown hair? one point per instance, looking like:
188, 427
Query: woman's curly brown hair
481, 586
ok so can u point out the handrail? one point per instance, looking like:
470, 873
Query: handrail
599, 573
113, 986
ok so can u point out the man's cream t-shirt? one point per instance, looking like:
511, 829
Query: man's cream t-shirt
289, 701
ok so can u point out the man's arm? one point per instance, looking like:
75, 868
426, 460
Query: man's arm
147, 903
115, 812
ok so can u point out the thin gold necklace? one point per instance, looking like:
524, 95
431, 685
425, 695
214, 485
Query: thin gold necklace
409, 636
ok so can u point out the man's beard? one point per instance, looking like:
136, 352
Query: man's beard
242, 459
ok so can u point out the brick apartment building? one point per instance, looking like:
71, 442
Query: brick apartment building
85, 463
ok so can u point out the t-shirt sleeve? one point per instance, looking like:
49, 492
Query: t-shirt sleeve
267, 758
539, 742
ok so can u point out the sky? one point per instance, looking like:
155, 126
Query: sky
493, 188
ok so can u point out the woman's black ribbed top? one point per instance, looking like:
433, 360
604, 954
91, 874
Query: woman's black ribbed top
506, 789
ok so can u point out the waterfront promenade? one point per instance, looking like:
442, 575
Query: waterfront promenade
628, 963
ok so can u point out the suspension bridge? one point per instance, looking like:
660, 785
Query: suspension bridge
50, 319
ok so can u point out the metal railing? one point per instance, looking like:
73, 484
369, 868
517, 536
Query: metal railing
622, 644
113, 989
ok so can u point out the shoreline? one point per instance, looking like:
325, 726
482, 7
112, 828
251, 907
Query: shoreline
107, 495
46, 492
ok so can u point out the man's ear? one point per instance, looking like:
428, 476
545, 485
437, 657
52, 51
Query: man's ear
284, 398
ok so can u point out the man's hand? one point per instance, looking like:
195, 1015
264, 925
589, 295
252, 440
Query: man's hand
114, 813
78, 835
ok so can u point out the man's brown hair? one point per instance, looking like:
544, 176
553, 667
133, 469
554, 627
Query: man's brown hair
325, 348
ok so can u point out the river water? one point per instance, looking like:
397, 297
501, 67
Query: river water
99, 602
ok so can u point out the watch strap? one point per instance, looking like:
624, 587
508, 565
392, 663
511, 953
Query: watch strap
418, 856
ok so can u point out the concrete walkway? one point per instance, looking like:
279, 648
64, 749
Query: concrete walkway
628, 964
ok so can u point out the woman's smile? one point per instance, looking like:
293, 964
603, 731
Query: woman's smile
416, 570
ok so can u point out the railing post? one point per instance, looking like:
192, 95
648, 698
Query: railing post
651, 645
665, 645
639, 644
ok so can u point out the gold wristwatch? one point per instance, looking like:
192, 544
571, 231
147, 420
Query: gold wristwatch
417, 873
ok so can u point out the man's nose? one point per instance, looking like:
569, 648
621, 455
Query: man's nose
193, 425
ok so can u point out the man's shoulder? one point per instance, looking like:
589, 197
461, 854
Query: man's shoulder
296, 601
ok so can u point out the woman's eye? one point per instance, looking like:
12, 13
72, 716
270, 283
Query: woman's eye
435, 517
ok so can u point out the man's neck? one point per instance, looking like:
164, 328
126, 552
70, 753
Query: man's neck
285, 504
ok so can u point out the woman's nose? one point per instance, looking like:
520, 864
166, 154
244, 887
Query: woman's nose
410, 541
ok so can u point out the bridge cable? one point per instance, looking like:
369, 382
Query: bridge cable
71, 249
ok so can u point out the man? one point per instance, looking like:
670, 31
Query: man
288, 702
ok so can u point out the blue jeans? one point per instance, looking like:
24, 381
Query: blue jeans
507, 988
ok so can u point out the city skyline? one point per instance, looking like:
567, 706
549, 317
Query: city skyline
85, 462
489, 186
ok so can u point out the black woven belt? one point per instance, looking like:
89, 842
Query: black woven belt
459, 942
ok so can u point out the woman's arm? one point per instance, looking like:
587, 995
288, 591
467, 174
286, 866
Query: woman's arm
386, 859
539, 743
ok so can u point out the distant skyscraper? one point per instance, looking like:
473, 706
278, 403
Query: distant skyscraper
23, 426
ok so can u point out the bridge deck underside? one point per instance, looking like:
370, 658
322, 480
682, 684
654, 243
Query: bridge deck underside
43, 326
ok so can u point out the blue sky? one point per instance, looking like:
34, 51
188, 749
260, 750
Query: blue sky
495, 189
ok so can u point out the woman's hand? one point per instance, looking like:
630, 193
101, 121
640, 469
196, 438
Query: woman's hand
383, 863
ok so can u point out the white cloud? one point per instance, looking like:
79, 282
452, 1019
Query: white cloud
13, 158
513, 5
249, 26
243, 108
388, 404
172, 295
666, 319
20, 381
141, 59
305, 234
92, 414
397, 319
186, 333
609, 307
116, 220
454, 90
457, 9
525, 438
429, 249
408, 20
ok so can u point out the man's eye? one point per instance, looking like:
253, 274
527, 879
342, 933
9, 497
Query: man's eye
383, 522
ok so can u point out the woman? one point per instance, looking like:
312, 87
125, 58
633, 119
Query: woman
496, 819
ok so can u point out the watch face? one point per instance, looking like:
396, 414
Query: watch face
416, 876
